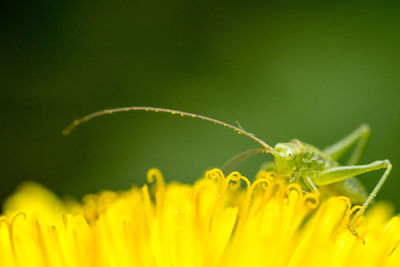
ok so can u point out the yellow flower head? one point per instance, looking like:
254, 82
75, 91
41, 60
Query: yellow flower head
218, 221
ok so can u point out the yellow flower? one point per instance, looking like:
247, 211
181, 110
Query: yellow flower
218, 221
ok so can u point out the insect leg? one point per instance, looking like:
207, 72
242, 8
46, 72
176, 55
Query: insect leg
338, 174
310, 184
232, 163
359, 136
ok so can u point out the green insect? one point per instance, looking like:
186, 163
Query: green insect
316, 170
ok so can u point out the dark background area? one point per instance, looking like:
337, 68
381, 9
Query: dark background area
309, 71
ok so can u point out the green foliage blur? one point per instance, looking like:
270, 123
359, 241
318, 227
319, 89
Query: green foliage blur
312, 71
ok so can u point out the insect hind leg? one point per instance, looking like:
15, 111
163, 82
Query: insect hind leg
359, 137
341, 173
338, 174
380, 183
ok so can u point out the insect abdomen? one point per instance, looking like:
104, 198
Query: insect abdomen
351, 188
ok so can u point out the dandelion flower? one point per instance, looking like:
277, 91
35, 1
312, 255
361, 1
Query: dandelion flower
218, 221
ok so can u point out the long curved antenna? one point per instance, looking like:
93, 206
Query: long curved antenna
75, 123
232, 163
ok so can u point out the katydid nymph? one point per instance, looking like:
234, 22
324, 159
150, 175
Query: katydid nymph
315, 170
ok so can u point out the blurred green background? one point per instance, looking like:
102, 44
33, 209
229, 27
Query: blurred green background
310, 71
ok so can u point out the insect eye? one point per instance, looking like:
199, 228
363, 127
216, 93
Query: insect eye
289, 154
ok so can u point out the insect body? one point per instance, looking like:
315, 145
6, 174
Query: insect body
304, 164
316, 170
